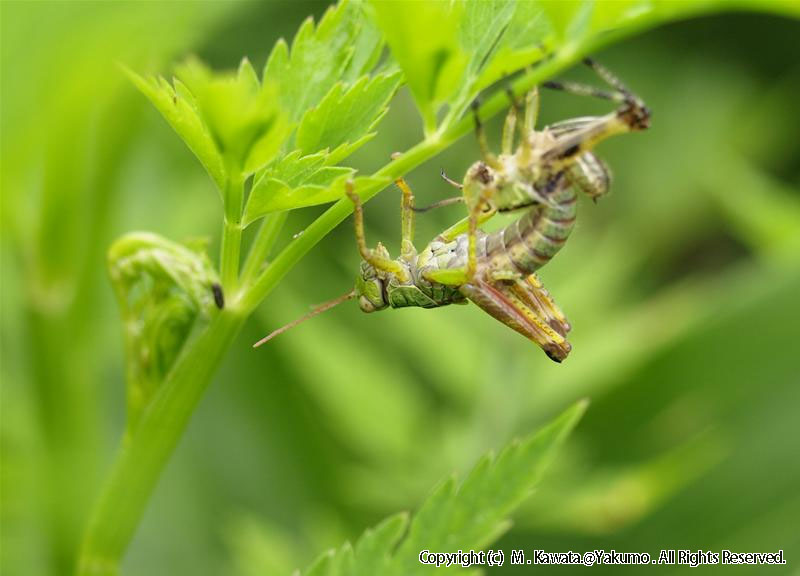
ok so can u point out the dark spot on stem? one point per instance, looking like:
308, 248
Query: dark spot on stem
219, 297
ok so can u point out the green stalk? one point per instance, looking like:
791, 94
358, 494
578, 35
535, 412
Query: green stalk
232, 234
268, 232
141, 459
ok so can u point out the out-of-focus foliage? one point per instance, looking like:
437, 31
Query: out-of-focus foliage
290, 130
449, 51
465, 516
681, 288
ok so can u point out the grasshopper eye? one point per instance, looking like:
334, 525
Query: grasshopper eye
365, 305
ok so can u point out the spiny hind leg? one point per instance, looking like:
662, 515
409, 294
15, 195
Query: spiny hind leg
503, 276
378, 261
550, 310
537, 304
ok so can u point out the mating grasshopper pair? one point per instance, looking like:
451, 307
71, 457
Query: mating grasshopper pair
496, 271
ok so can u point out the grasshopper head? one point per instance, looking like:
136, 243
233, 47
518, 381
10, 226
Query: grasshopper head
371, 285
479, 177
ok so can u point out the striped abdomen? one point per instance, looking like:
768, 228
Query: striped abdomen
530, 242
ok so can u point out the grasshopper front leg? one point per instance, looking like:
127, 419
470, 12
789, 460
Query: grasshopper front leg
377, 258
407, 249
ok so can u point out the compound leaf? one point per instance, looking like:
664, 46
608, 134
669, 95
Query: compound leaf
346, 115
319, 186
179, 108
455, 517
341, 46
240, 113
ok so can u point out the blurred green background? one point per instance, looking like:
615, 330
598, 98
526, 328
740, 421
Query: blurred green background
682, 289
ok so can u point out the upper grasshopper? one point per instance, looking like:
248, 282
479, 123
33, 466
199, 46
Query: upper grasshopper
496, 270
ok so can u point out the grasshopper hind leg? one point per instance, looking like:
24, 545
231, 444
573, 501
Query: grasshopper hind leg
526, 307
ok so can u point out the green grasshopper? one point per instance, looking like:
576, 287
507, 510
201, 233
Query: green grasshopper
496, 270
382, 283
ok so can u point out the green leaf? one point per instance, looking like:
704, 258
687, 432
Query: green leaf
320, 57
469, 516
334, 117
343, 120
609, 15
424, 42
523, 43
242, 116
569, 19
367, 43
324, 185
482, 24
179, 109
450, 51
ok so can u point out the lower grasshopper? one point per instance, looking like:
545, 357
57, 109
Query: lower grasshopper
496, 271
521, 303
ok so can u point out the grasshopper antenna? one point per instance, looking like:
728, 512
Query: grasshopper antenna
449, 180
315, 312
439, 204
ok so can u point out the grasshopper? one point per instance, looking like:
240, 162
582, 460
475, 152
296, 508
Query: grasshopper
496, 270
522, 304
543, 174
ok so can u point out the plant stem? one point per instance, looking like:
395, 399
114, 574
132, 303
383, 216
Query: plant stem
232, 233
265, 239
142, 458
